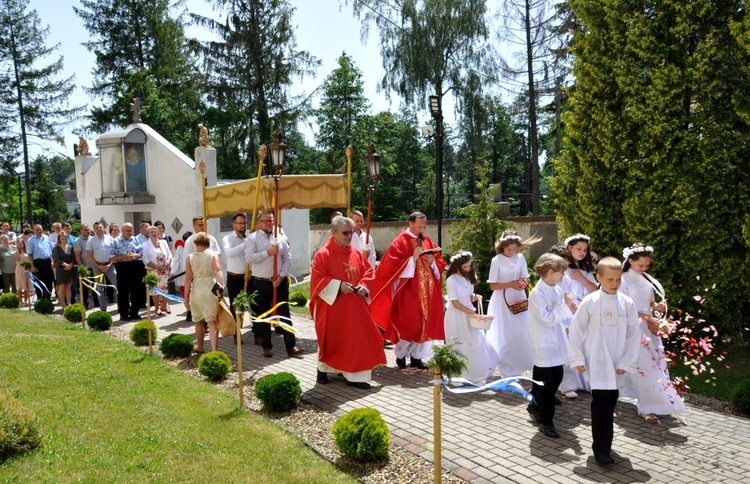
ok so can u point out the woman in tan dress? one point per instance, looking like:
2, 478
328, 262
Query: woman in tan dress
202, 268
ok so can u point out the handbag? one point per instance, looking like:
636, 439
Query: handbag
171, 287
516, 307
224, 319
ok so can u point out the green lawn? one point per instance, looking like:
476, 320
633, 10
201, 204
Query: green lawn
304, 288
733, 369
111, 413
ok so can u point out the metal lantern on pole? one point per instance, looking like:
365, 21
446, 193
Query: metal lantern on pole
372, 159
278, 155
437, 113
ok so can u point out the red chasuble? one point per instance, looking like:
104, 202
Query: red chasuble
348, 339
414, 312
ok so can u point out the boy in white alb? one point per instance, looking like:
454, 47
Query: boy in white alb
549, 307
604, 341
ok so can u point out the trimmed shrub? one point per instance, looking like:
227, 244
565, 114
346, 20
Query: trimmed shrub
362, 434
299, 298
9, 301
176, 346
19, 427
740, 396
139, 333
100, 321
279, 392
44, 306
214, 365
74, 313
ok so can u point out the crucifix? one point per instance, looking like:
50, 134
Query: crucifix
136, 107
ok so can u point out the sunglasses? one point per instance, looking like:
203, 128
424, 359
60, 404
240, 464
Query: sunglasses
347, 233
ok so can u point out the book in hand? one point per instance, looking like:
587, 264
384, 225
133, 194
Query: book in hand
431, 251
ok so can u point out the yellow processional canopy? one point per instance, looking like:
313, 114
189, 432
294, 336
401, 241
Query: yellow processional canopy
295, 191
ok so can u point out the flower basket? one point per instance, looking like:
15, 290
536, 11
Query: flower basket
480, 320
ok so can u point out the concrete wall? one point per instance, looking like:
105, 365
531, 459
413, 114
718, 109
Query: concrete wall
384, 232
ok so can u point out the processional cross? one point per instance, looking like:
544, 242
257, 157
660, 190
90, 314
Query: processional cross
136, 107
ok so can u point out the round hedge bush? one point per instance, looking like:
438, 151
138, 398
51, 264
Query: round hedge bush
74, 313
176, 346
279, 392
139, 333
100, 321
9, 301
19, 427
740, 396
44, 306
299, 298
362, 434
214, 365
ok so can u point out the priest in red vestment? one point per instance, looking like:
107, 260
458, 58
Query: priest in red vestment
407, 295
348, 340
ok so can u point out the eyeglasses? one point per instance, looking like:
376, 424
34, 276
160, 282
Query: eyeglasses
268, 221
347, 233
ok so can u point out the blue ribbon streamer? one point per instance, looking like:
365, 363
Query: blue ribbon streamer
171, 297
504, 385
38, 284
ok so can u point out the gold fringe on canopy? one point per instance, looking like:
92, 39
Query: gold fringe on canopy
295, 191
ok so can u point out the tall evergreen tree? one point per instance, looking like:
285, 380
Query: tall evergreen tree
657, 137
33, 97
250, 69
49, 203
141, 52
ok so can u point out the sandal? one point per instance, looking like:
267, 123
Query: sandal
195, 348
158, 312
649, 417
168, 311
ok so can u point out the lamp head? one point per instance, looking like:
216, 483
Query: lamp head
278, 149
373, 161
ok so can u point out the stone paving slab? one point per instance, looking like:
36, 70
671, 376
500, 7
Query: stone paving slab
489, 437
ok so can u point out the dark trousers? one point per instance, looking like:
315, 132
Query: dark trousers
235, 285
88, 292
545, 395
131, 292
46, 276
602, 419
264, 303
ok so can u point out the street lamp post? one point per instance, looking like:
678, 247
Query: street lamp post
373, 166
437, 113
278, 149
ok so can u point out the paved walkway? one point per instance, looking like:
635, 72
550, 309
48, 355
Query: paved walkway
489, 437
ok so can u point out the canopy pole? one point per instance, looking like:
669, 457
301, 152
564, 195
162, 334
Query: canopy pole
262, 155
349, 153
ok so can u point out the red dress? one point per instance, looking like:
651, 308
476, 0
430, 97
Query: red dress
348, 339
414, 311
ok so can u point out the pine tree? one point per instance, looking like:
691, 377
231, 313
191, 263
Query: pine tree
33, 98
141, 52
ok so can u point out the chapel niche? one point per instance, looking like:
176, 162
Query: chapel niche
123, 161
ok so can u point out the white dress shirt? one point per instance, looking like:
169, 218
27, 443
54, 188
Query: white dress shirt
359, 241
234, 248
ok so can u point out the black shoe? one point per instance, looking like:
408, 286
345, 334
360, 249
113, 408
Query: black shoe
135, 317
189, 317
550, 431
124, 318
322, 378
534, 412
604, 459
558, 401
415, 363
401, 363
358, 384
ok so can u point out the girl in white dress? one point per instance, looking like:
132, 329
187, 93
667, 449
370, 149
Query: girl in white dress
580, 281
651, 385
509, 333
471, 342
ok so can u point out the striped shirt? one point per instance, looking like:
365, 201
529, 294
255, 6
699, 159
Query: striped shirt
123, 246
256, 246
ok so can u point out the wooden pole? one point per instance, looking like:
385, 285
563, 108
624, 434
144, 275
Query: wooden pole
349, 153
83, 303
148, 318
369, 217
276, 238
262, 155
238, 322
436, 425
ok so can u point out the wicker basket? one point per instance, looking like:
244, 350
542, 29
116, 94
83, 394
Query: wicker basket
480, 320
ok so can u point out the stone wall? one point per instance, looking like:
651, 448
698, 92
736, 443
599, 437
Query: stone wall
384, 232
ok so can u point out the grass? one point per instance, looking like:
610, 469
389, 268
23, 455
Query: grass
111, 413
304, 288
733, 369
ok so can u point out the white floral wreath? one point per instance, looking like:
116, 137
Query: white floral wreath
629, 251
464, 253
510, 237
576, 237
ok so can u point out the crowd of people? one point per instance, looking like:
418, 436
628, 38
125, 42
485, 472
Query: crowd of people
586, 325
